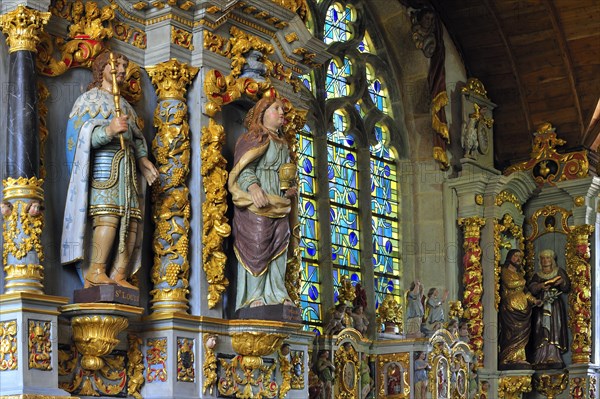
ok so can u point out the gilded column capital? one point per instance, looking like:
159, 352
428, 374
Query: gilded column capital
472, 226
171, 78
23, 25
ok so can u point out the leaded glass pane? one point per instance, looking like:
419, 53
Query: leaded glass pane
377, 91
338, 23
310, 292
336, 83
384, 208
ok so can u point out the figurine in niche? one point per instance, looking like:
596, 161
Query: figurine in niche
435, 310
463, 332
366, 379
473, 384
361, 322
423, 28
262, 190
421, 367
474, 129
254, 67
394, 379
453, 328
326, 372
105, 186
414, 310
550, 335
485, 387
336, 323
516, 305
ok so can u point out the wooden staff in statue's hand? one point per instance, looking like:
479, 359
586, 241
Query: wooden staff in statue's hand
118, 125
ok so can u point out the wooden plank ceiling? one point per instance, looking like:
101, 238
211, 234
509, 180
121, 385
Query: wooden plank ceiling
539, 61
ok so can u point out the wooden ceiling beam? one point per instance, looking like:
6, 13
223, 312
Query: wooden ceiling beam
494, 15
566, 56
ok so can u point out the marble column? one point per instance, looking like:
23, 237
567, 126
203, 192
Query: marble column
23, 193
171, 148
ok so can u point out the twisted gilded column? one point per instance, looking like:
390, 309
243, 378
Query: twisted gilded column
580, 297
473, 283
23, 193
171, 213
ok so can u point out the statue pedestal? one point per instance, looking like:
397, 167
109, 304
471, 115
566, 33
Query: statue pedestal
28, 334
289, 314
107, 293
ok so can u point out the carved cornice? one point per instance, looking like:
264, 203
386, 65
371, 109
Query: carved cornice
23, 26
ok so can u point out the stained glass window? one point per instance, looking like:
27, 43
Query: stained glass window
339, 80
342, 172
384, 208
338, 21
310, 291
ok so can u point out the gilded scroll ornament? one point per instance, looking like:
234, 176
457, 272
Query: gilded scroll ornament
473, 283
182, 38
512, 387
156, 359
135, 366
185, 360
474, 85
171, 148
580, 297
346, 372
23, 26
548, 166
439, 154
285, 368
507, 196
8, 345
383, 362
239, 44
550, 385
298, 6
40, 346
128, 34
209, 367
308, 58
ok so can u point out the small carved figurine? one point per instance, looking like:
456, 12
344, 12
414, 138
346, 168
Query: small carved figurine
421, 368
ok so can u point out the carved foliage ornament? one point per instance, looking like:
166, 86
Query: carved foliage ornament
135, 366
40, 346
512, 387
473, 283
8, 345
550, 385
156, 358
580, 297
185, 360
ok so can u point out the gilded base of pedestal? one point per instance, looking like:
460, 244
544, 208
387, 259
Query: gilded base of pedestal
96, 327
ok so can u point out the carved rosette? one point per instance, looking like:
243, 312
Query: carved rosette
580, 297
171, 213
550, 385
513, 386
23, 224
473, 283
23, 26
